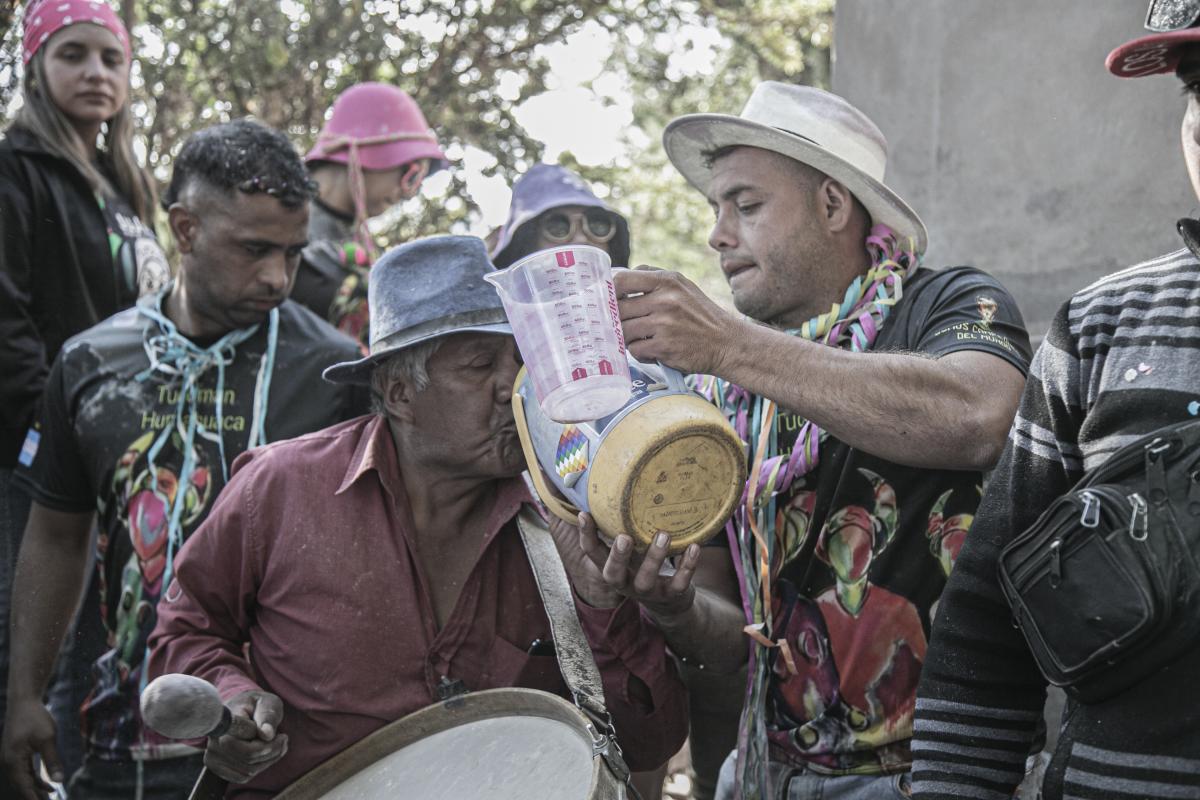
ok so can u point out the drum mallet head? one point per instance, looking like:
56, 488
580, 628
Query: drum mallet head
184, 707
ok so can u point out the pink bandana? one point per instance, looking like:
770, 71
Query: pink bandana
43, 18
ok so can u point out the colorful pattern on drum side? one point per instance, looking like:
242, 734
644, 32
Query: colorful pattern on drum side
572, 455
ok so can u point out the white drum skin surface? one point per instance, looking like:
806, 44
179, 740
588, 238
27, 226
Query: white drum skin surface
506, 758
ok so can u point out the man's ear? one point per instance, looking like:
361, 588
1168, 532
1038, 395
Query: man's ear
184, 225
397, 400
836, 205
414, 173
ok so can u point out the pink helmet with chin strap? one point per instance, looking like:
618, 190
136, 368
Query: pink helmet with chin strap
376, 126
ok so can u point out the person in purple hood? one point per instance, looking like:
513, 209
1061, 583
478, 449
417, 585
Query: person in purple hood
553, 206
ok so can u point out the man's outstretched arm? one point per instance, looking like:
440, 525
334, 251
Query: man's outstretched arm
50, 580
940, 410
204, 620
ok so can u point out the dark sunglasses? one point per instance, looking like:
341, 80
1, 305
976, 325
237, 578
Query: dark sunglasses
1172, 15
561, 226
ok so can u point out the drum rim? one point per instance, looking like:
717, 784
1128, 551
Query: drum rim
434, 719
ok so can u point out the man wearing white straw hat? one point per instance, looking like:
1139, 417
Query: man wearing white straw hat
871, 395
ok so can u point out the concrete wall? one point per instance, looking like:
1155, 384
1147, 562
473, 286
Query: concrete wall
1023, 155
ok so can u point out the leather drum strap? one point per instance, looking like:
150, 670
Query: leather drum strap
575, 658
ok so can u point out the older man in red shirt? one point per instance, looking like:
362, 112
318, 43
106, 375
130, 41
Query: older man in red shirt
374, 563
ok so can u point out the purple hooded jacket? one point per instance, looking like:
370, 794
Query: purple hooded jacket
543, 187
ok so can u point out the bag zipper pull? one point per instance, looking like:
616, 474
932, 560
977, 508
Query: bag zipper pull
1140, 511
1055, 563
1091, 510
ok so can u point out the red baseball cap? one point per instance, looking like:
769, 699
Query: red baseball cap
1174, 24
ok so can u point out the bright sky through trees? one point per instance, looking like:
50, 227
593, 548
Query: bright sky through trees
585, 83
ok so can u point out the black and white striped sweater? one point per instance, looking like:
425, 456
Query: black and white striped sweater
1121, 359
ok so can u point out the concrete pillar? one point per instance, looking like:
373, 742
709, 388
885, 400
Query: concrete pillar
1023, 155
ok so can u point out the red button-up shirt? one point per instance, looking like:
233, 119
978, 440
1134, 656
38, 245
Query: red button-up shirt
307, 557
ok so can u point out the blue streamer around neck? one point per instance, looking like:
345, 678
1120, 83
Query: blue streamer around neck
180, 362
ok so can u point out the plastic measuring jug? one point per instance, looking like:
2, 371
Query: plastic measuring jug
563, 310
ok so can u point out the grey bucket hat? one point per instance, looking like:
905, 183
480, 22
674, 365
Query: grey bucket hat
425, 289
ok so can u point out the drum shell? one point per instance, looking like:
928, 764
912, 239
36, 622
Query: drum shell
444, 716
667, 461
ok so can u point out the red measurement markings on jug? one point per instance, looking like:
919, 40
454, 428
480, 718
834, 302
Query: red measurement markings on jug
615, 315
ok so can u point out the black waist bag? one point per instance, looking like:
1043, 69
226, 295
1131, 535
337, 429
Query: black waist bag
1104, 585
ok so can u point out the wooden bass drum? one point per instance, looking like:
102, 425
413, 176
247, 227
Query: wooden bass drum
500, 744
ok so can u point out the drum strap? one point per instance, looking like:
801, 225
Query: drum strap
575, 659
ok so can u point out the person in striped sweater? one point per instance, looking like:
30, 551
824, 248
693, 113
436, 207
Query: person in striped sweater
1121, 359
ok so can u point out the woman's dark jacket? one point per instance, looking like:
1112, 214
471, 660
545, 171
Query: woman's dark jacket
57, 275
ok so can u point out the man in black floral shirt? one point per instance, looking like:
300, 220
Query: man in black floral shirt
871, 392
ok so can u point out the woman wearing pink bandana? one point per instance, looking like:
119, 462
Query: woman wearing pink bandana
76, 228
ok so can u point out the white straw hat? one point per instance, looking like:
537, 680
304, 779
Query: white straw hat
810, 125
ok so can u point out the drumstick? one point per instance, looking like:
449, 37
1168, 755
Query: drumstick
185, 707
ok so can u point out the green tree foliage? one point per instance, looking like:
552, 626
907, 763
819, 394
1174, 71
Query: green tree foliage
783, 40
8, 9
285, 61
469, 65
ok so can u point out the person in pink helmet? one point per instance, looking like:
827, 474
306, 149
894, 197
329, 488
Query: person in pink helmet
374, 152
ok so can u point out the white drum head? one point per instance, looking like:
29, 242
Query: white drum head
499, 744
507, 758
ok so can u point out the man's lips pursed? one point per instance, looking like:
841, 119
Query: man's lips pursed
264, 305
733, 269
